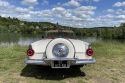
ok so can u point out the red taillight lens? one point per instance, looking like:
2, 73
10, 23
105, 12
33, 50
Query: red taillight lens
89, 52
30, 52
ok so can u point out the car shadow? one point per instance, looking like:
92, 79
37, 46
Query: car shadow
40, 72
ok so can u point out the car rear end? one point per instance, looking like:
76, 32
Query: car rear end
60, 53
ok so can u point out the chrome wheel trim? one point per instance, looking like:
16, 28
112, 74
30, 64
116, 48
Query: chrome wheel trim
60, 50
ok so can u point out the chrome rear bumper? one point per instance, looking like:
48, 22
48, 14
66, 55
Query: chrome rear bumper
35, 62
46, 62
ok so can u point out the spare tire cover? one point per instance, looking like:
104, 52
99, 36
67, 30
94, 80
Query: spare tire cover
66, 42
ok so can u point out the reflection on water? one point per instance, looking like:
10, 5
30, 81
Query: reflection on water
17, 39
24, 40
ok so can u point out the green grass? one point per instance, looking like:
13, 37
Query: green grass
109, 68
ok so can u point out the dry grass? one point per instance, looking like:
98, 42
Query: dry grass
109, 68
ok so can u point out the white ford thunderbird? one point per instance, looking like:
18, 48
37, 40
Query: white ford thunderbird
60, 51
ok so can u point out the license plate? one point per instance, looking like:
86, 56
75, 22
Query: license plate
60, 64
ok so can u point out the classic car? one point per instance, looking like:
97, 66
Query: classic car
60, 49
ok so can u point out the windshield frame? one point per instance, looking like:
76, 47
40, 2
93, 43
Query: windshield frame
62, 34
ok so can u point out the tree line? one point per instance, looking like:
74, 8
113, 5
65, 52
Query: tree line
13, 25
103, 32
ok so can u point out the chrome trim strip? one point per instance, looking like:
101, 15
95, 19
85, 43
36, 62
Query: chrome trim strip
73, 61
85, 61
35, 62
73, 47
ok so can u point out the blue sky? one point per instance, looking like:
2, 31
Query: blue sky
76, 13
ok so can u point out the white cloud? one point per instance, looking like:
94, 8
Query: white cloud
91, 0
107, 17
9, 10
46, 13
24, 17
96, 0
120, 11
121, 17
119, 4
30, 7
86, 8
116, 11
58, 9
22, 10
73, 17
4, 4
72, 3
60, 12
45, 2
77, 16
110, 10
4, 15
111, 18
29, 2
84, 12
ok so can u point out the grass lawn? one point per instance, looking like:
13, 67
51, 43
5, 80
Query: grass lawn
109, 68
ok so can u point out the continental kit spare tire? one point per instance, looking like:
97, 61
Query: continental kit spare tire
63, 45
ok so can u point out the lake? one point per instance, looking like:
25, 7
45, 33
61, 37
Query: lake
9, 39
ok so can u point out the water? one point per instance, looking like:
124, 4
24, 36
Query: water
18, 39
10, 39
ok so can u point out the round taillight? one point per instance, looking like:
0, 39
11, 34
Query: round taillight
30, 52
89, 52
